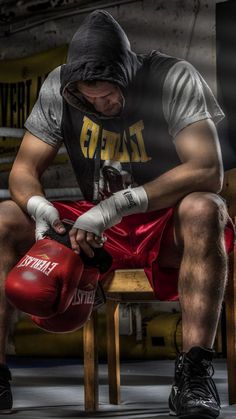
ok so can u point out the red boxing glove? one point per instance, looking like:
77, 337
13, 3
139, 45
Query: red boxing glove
44, 281
80, 308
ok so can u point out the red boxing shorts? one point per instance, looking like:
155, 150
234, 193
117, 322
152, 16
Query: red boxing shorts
136, 241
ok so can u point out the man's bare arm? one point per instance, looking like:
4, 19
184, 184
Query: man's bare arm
201, 170
33, 157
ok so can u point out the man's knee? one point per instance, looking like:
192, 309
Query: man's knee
7, 220
202, 212
203, 207
14, 224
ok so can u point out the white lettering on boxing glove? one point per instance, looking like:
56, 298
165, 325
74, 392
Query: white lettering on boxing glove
39, 264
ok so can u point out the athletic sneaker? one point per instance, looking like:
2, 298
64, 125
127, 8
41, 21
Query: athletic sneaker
5, 389
194, 394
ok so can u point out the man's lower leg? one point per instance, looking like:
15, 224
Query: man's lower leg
202, 280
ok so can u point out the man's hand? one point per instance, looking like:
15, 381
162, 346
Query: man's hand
45, 215
85, 240
87, 231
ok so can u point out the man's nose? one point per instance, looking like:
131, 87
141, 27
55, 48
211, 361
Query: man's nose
101, 104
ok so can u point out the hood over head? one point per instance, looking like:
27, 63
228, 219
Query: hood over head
99, 50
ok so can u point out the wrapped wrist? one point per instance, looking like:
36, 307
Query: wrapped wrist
109, 212
131, 201
34, 203
44, 213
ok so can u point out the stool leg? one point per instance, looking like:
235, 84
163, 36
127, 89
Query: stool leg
113, 351
90, 364
230, 305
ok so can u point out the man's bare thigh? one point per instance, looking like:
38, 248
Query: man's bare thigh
17, 228
170, 254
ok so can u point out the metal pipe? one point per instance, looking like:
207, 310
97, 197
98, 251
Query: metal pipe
18, 133
11, 132
51, 193
10, 159
64, 14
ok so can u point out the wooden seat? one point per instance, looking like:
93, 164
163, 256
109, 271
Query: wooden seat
132, 285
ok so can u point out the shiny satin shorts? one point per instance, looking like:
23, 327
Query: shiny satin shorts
136, 241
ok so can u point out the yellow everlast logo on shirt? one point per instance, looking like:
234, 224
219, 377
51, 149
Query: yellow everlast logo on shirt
113, 144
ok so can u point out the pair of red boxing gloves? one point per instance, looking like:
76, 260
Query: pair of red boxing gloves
55, 285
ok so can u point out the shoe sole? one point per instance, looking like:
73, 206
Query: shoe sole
194, 416
6, 411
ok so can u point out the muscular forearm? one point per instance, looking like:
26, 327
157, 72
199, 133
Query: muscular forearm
169, 188
23, 185
27, 192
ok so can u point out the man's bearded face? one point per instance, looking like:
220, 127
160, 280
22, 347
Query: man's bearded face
104, 96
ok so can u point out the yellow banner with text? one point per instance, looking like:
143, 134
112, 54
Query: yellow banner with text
20, 82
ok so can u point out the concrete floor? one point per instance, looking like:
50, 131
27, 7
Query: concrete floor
52, 388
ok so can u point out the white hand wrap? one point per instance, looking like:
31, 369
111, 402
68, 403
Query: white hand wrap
44, 214
110, 211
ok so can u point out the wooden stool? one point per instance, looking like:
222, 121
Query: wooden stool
133, 285
122, 285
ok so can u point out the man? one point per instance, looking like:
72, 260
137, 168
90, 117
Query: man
140, 133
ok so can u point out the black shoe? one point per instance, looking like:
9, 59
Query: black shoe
175, 386
194, 394
5, 389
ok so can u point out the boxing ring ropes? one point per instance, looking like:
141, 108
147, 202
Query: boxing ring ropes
51, 193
